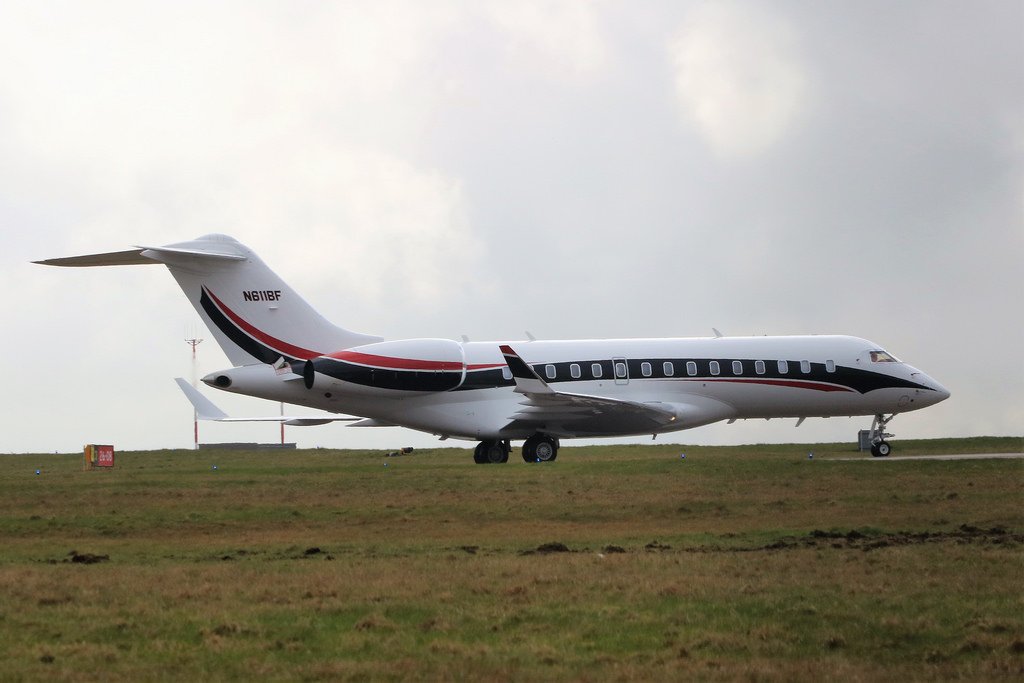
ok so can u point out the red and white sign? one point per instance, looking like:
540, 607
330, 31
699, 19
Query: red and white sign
104, 456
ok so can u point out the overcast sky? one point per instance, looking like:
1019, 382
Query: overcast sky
575, 169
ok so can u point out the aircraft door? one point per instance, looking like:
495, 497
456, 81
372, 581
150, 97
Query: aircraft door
620, 369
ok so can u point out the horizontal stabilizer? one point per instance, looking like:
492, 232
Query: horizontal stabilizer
157, 253
140, 256
132, 257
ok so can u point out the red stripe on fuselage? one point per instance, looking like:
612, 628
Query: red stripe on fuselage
794, 384
283, 347
395, 363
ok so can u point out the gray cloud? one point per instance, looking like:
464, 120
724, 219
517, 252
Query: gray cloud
575, 169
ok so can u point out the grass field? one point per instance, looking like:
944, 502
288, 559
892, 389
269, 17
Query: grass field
613, 563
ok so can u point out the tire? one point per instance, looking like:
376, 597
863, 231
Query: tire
884, 449
540, 448
490, 453
528, 451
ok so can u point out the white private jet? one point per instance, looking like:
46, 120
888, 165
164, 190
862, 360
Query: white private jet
499, 392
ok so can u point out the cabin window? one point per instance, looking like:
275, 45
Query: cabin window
759, 367
805, 366
506, 373
645, 369
574, 371
737, 367
691, 368
595, 370
668, 368
830, 366
549, 370
882, 357
620, 370
714, 367
783, 367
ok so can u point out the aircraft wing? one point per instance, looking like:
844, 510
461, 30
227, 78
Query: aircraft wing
565, 413
206, 410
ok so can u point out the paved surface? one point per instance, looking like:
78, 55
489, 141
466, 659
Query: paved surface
971, 456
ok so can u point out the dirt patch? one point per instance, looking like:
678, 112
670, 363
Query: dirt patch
965, 533
839, 540
547, 549
86, 558
54, 601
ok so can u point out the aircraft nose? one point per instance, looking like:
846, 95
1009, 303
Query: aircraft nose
939, 393
931, 392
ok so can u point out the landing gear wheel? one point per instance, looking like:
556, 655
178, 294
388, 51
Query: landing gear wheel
490, 452
527, 452
540, 448
881, 449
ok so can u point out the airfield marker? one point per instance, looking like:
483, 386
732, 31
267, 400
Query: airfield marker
194, 341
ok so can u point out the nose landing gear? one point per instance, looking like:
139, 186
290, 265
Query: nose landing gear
880, 448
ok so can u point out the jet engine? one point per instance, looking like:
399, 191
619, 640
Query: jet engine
408, 367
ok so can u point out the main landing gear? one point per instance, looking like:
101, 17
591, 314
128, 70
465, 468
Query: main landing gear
880, 448
538, 448
488, 452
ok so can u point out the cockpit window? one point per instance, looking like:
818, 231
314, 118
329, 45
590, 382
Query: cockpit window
882, 357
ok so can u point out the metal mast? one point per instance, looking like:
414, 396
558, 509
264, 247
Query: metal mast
194, 342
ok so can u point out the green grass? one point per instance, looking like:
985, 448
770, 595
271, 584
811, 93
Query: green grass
745, 562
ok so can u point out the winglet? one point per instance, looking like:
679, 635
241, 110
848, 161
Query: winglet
527, 381
205, 410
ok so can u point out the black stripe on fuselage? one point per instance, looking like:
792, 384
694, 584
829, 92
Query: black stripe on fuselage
845, 379
254, 348
389, 378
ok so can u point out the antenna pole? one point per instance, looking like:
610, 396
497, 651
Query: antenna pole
194, 342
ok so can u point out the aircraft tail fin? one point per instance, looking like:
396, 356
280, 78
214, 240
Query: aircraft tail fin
252, 313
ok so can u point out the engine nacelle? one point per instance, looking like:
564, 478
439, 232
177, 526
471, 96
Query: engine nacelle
258, 379
397, 368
